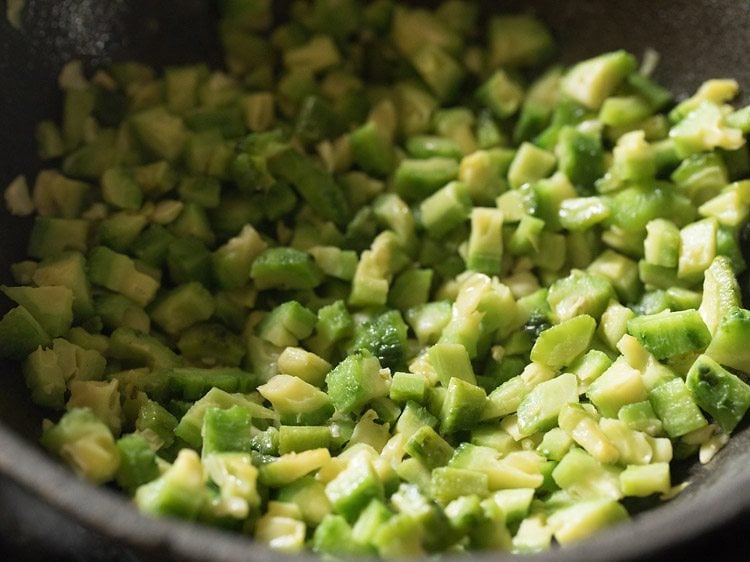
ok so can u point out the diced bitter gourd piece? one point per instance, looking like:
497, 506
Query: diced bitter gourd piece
590, 365
697, 248
438, 69
314, 184
579, 293
212, 343
703, 130
290, 467
45, 378
555, 444
286, 324
190, 425
285, 268
156, 424
102, 398
413, 417
51, 236
56, 195
429, 448
137, 462
445, 209
662, 243
20, 334
514, 503
613, 324
303, 364
120, 189
518, 40
501, 94
462, 407
298, 438
51, 306
506, 398
334, 537
437, 532
561, 344
634, 446
727, 346
582, 426
582, 519
352, 489
728, 208
309, 495
85, 443
721, 293
533, 535
428, 320
640, 416
334, 323
581, 158
280, 532
408, 386
179, 492
415, 179
226, 430
68, 270
161, 133
620, 384
592, 81
539, 409
451, 360
232, 261
384, 336
182, 307
717, 391
411, 288
676, 408
334, 261
644, 480
670, 333
485, 250
117, 272
116, 310
137, 348
716, 91
585, 477
517, 469
237, 479
293, 398
530, 163
582, 213
355, 381
449, 483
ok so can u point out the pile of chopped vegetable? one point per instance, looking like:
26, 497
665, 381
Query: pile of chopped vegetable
392, 282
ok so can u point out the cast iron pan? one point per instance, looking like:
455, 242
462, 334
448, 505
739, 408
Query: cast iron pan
46, 513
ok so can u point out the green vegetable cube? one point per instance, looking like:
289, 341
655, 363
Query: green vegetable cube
561, 344
179, 492
717, 391
354, 488
539, 409
355, 381
670, 333
676, 408
462, 407
86, 443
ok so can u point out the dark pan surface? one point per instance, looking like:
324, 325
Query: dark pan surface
697, 40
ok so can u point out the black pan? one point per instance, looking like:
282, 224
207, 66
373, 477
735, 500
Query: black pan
46, 513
